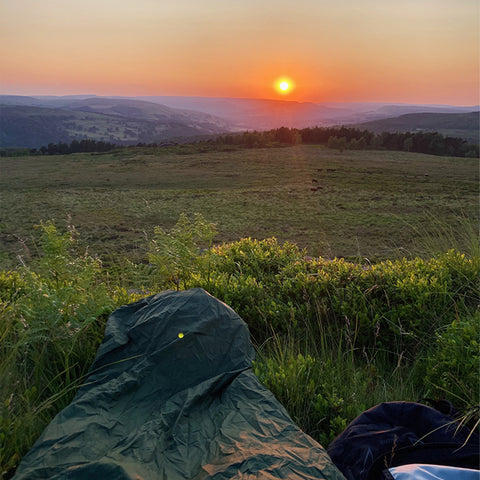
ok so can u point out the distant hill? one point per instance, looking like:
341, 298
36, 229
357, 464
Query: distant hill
258, 114
261, 114
462, 125
38, 120
33, 122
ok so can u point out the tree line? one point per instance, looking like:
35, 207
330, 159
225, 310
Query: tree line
340, 138
344, 138
76, 146
61, 148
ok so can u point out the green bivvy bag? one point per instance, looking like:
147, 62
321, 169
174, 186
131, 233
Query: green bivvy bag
172, 395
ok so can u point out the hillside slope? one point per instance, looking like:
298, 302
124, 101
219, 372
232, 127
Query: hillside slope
32, 122
462, 125
264, 114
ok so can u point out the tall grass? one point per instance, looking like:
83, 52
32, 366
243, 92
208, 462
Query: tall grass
324, 382
437, 237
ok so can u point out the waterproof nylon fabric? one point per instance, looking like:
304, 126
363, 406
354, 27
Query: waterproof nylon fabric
171, 395
433, 472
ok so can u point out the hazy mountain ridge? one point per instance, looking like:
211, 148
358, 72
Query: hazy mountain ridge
463, 125
35, 121
32, 121
263, 114
259, 114
144, 110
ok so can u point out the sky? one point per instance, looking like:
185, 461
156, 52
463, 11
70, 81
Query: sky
408, 51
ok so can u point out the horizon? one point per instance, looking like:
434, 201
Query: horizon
417, 52
145, 98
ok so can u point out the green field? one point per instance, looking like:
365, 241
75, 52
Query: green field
332, 338
354, 204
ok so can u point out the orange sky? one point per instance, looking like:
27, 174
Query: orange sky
409, 51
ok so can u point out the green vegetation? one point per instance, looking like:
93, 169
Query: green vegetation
51, 323
333, 337
368, 293
340, 138
175, 255
27, 126
356, 204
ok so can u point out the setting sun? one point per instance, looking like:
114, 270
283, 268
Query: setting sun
284, 86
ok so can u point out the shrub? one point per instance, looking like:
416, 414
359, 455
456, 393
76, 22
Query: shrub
312, 401
333, 337
177, 254
51, 323
394, 306
454, 364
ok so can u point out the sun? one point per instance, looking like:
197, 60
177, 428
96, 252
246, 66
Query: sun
284, 86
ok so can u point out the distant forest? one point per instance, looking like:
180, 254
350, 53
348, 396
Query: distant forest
344, 138
340, 138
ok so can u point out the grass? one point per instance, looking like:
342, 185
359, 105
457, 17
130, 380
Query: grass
325, 383
334, 337
353, 204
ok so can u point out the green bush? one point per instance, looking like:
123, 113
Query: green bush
176, 254
11, 285
454, 364
313, 402
394, 306
333, 337
51, 323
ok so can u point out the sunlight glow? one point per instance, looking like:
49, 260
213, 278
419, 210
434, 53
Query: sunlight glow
284, 86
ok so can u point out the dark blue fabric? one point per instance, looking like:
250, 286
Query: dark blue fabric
399, 433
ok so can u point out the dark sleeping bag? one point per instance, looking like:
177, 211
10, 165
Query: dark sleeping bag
172, 395
393, 434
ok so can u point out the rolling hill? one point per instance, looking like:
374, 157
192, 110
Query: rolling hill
32, 122
462, 125
261, 114
35, 121
258, 114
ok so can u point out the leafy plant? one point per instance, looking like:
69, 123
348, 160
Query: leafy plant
325, 388
394, 305
333, 337
313, 403
176, 254
51, 323
454, 364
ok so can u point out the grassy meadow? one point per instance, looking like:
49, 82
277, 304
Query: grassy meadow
368, 292
353, 204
